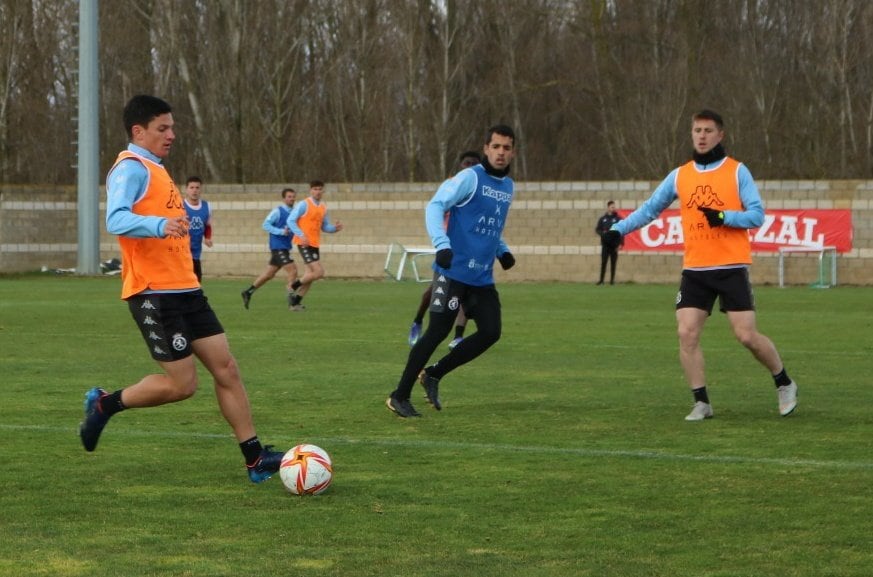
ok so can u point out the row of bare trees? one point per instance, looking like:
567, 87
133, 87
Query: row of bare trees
392, 90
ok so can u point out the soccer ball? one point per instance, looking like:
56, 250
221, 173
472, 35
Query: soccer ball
306, 470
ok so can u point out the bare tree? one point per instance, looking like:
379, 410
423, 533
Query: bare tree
283, 94
15, 21
390, 90
183, 36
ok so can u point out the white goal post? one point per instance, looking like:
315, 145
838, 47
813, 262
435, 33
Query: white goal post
827, 264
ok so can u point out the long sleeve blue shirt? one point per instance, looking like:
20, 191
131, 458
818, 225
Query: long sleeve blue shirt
298, 211
477, 205
126, 183
275, 224
453, 192
752, 215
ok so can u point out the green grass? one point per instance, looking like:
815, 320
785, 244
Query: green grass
560, 452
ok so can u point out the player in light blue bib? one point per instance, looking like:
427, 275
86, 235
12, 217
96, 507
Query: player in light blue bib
465, 220
199, 221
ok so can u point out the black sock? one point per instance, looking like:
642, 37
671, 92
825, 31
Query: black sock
111, 403
296, 285
251, 450
459, 332
418, 320
700, 395
782, 379
251, 289
295, 300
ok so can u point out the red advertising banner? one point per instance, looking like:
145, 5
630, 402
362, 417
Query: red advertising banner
781, 228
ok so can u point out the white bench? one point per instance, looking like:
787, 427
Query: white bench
404, 254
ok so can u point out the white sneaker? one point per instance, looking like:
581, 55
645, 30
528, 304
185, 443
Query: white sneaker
700, 411
787, 398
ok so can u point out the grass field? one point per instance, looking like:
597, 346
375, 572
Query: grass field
560, 452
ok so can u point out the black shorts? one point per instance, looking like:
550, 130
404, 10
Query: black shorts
449, 295
170, 322
310, 254
699, 289
280, 257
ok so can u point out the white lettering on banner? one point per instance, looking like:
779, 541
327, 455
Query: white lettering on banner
780, 230
673, 235
787, 234
801, 228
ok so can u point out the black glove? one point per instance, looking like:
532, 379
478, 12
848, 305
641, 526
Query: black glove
713, 216
612, 238
444, 258
507, 261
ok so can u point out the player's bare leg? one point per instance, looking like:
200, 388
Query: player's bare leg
745, 330
178, 383
744, 327
690, 322
291, 274
314, 271
214, 353
265, 276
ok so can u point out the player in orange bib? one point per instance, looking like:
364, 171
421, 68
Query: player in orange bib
307, 221
144, 208
719, 202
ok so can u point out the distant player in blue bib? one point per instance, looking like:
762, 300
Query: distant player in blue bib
199, 221
280, 248
465, 221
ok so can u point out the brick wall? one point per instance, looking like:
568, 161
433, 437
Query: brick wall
550, 229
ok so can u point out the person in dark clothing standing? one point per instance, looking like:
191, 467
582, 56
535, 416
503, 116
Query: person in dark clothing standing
608, 245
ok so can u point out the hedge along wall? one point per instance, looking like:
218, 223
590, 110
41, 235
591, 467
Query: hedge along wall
550, 229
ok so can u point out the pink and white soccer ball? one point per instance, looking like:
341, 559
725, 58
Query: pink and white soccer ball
306, 470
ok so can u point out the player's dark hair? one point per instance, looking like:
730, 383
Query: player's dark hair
286, 190
316, 183
469, 158
470, 154
141, 109
196, 179
502, 130
707, 114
